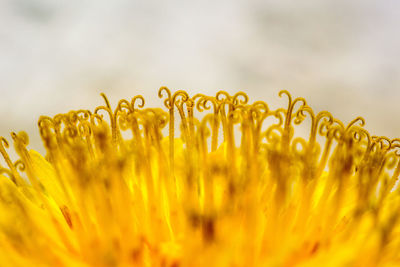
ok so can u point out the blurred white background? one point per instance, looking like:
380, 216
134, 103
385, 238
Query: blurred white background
341, 55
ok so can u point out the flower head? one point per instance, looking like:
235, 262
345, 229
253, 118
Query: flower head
211, 181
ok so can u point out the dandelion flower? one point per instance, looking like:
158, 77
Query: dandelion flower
206, 181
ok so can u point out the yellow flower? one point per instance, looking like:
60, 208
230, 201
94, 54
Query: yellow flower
212, 181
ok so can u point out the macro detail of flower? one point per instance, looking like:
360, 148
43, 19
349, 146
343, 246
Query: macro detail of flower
206, 181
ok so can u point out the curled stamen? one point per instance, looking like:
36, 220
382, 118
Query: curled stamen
240, 98
168, 100
19, 165
288, 119
222, 96
384, 142
134, 101
356, 120
114, 130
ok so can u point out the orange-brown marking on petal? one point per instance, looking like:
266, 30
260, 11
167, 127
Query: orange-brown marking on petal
67, 215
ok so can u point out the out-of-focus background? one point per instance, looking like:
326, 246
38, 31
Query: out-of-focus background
341, 55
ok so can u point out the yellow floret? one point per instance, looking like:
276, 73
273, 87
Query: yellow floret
211, 181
